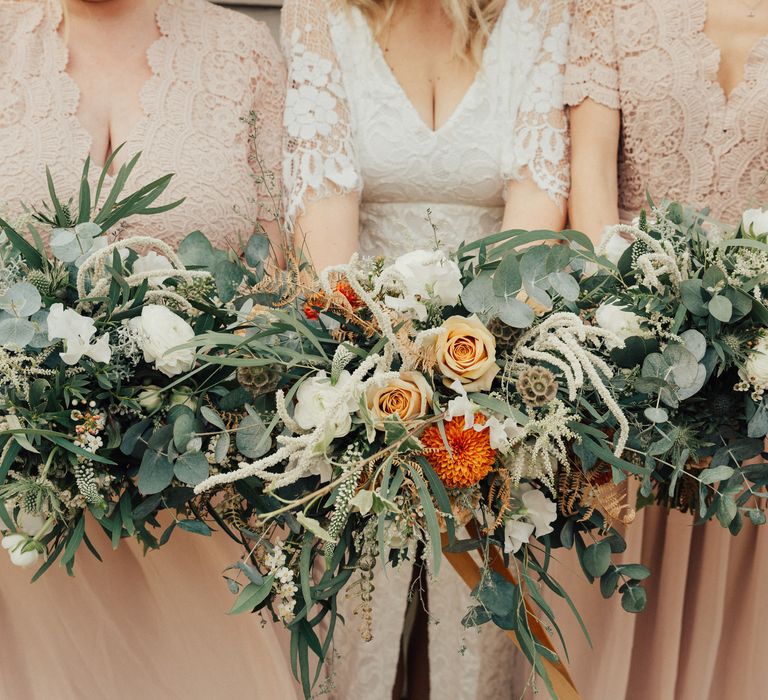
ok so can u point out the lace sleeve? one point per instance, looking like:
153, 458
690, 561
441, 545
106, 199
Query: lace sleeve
592, 66
319, 159
539, 147
268, 88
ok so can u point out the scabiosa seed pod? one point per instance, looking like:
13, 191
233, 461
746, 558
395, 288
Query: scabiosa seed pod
537, 386
506, 336
258, 380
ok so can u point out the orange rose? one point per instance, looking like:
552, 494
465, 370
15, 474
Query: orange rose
409, 396
466, 351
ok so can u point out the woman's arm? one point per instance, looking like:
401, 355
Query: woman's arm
327, 231
594, 151
322, 181
528, 207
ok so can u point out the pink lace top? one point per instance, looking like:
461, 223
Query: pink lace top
210, 69
682, 138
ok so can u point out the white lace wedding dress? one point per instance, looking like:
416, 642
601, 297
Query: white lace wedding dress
351, 128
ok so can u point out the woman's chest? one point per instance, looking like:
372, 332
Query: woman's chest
402, 155
190, 124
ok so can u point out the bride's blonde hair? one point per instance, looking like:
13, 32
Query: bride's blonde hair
472, 21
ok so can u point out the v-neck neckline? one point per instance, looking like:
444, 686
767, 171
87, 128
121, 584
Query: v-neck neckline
715, 58
129, 143
381, 59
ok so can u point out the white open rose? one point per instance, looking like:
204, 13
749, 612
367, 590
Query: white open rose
755, 222
421, 276
622, 323
158, 330
77, 332
321, 403
755, 369
149, 263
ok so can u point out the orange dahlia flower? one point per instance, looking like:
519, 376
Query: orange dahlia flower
471, 456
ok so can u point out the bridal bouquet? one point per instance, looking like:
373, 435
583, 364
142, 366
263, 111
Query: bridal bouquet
100, 401
494, 398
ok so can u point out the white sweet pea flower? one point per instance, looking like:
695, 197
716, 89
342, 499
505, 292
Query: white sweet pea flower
320, 403
461, 406
416, 277
77, 332
149, 263
516, 534
755, 222
539, 510
15, 544
624, 324
158, 330
501, 434
534, 517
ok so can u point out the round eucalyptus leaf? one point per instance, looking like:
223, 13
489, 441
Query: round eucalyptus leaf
565, 285
695, 343
21, 300
656, 415
721, 308
191, 468
16, 332
251, 438
515, 313
478, 296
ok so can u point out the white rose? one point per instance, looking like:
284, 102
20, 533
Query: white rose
623, 324
420, 276
158, 330
77, 332
755, 222
149, 263
15, 544
756, 366
320, 403
614, 244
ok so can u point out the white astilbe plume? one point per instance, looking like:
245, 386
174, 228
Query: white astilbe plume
95, 266
661, 258
561, 340
302, 449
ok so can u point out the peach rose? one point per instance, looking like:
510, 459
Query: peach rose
409, 396
466, 351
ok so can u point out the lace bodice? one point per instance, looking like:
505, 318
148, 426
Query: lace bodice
351, 128
210, 68
682, 138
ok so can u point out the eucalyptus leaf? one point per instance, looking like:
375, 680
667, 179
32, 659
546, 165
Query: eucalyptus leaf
21, 300
565, 285
507, 280
252, 438
16, 332
721, 308
191, 468
714, 474
515, 313
196, 250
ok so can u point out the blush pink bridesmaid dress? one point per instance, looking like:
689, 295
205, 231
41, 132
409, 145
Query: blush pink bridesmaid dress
702, 636
135, 626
